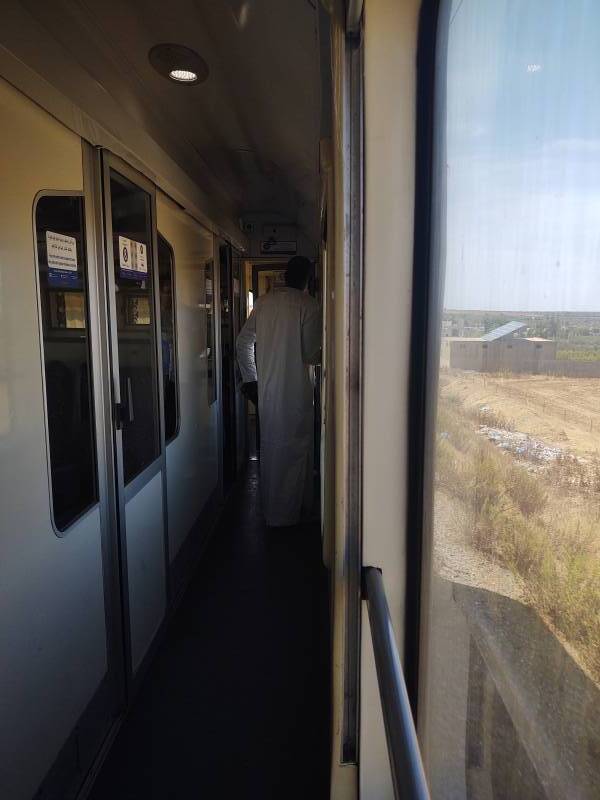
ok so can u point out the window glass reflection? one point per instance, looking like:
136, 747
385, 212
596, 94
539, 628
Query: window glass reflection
210, 330
62, 267
168, 343
136, 329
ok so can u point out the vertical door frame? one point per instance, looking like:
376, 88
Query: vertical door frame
222, 243
107, 161
99, 329
427, 299
353, 114
241, 429
217, 362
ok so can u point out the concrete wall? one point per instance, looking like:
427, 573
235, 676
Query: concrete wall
445, 350
510, 355
517, 355
503, 689
573, 369
466, 355
551, 704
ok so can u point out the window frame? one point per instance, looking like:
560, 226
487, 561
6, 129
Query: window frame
59, 532
423, 366
119, 171
428, 286
159, 237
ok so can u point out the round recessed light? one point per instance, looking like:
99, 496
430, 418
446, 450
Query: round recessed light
179, 64
183, 75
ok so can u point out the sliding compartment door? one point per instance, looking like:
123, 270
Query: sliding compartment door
131, 249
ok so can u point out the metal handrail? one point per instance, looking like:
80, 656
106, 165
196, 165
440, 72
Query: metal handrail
408, 775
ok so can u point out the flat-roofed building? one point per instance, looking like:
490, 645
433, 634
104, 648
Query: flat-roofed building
499, 350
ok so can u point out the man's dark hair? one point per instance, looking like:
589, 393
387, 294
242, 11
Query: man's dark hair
297, 272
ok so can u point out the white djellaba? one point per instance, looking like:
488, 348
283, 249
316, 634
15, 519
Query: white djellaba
286, 327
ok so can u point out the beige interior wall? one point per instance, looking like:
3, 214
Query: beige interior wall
327, 256
390, 97
192, 460
344, 778
52, 625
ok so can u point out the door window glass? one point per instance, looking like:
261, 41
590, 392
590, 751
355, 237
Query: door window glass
136, 326
168, 338
62, 270
210, 331
228, 306
512, 695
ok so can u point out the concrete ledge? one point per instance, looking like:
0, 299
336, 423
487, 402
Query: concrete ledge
553, 705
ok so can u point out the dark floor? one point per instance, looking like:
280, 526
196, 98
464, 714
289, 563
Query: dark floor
236, 704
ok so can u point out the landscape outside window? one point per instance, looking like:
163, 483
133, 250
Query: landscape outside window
512, 705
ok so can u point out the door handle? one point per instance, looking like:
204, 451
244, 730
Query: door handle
123, 412
118, 415
130, 400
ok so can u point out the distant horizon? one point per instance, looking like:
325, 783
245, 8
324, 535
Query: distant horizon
516, 313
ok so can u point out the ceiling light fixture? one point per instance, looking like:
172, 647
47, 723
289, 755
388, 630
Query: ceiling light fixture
183, 75
179, 64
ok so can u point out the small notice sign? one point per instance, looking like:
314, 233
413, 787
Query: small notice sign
270, 246
61, 254
133, 259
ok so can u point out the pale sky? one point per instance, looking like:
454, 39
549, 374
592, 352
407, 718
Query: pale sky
523, 155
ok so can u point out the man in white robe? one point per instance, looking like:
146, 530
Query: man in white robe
286, 327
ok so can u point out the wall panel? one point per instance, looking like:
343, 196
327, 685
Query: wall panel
192, 464
52, 628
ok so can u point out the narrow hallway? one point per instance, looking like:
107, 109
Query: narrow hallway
236, 703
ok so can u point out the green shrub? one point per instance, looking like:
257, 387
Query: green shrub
526, 490
526, 542
486, 477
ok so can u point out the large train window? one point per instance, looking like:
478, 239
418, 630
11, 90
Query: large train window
136, 328
168, 330
62, 271
511, 694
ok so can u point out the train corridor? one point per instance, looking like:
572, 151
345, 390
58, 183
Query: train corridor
236, 702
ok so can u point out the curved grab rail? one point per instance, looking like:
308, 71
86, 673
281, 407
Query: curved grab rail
408, 775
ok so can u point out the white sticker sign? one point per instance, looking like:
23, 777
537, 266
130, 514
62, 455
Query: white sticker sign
133, 259
268, 246
61, 251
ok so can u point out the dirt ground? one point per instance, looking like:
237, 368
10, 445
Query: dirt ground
560, 411
457, 560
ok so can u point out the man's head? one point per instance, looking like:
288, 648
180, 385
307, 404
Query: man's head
297, 272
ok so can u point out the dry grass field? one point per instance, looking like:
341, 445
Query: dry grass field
517, 506
560, 411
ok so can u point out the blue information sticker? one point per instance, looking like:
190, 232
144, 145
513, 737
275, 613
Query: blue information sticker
133, 259
61, 254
